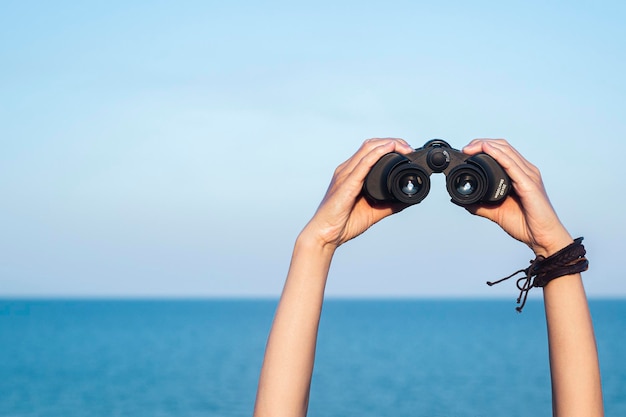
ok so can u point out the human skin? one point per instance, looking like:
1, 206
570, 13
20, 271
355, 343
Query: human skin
343, 214
529, 217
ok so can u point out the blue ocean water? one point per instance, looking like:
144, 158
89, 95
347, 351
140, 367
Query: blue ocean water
202, 358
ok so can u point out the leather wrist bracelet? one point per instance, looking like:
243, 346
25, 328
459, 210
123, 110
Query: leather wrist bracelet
569, 260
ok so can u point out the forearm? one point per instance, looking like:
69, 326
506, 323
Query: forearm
288, 365
576, 385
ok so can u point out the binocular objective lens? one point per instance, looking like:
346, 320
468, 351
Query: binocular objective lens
409, 188
466, 185
410, 184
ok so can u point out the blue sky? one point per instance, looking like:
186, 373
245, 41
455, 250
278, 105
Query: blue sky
175, 149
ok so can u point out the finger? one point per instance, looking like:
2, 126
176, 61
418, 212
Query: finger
507, 152
344, 182
354, 174
400, 146
496, 213
364, 165
477, 145
488, 212
525, 177
507, 156
480, 210
516, 155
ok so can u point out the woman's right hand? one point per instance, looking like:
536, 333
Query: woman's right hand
526, 214
345, 213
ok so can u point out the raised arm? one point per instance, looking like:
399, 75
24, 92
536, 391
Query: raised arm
285, 379
528, 216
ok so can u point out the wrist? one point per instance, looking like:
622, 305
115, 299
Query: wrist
569, 260
309, 240
558, 241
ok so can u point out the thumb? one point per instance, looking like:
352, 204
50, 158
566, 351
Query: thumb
482, 211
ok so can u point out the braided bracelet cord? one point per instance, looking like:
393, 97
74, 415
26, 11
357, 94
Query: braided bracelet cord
569, 260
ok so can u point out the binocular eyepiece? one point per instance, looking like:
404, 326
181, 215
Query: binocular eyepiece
406, 178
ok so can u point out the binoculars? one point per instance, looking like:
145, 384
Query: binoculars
406, 178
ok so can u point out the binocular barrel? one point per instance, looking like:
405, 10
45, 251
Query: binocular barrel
470, 179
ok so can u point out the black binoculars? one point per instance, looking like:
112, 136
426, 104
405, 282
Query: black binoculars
406, 178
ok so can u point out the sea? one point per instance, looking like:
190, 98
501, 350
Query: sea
395, 357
